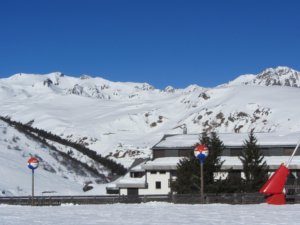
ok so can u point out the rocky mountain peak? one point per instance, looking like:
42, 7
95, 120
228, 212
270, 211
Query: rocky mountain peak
282, 76
279, 71
279, 76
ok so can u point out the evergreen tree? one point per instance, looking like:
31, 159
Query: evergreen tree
254, 166
188, 170
213, 162
187, 181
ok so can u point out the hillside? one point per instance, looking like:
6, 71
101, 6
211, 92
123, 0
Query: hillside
123, 120
56, 173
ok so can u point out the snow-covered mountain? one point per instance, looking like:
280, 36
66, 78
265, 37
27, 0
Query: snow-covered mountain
123, 120
279, 76
58, 172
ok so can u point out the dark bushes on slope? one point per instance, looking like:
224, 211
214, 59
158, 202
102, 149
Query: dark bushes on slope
108, 163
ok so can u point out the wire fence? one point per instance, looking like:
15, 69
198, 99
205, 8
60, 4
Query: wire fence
232, 198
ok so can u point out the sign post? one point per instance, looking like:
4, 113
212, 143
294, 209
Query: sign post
32, 164
201, 152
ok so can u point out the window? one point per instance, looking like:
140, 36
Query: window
235, 151
173, 173
185, 153
171, 153
162, 172
158, 185
287, 151
136, 174
158, 153
226, 152
153, 172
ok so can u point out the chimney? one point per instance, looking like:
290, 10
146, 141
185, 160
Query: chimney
184, 128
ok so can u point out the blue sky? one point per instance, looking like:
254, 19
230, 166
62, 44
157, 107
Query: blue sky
160, 42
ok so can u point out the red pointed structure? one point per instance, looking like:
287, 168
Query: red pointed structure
273, 188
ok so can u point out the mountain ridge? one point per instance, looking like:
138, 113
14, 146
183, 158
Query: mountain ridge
122, 121
109, 114
280, 76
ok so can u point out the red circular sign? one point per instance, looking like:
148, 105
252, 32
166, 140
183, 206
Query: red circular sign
33, 163
201, 149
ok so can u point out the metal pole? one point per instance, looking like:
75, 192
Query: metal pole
32, 203
202, 183
292, 156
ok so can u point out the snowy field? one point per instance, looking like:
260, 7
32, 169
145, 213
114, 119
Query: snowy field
150, 213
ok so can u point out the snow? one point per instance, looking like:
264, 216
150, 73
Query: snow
118, 117
52, 175
281, 75
15, 150
231, 139
153, 213
132, 182
123, 120
229, 162
272, 161
242, 79
178, 141
165, 163
137, 168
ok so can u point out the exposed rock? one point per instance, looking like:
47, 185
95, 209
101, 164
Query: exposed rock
204, 95
47, 82
169, 89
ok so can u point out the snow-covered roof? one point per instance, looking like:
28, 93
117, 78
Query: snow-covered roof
230, 162
178, 141
165, 163
272, 161
229, 139
130, 182
137, 168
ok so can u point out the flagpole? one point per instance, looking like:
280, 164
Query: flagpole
32, 188
202, 183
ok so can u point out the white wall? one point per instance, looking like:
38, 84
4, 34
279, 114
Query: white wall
123, 191
152, 179
164, 178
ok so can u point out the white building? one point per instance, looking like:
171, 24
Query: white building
154, 177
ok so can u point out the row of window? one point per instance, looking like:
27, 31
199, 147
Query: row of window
155, 172
278, 151
272, 151
137, 174
171, 153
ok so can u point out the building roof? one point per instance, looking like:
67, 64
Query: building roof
138, 168
230, 162
188, 141
272, 161
129, 182
165, 163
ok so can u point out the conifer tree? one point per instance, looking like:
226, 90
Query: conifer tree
187, 181
188, 169
254, 166
213, 162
